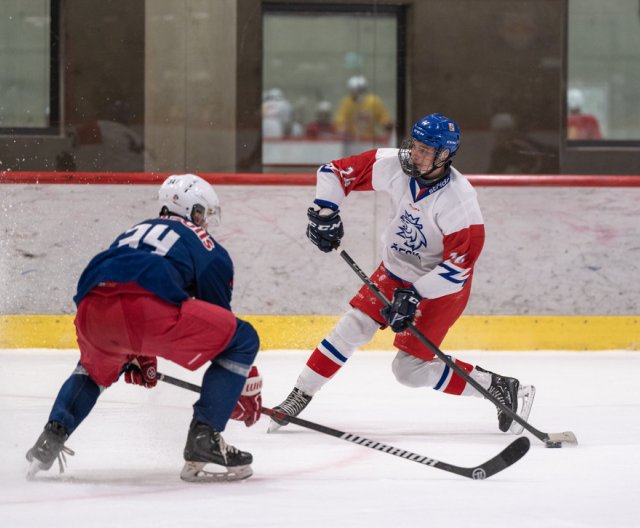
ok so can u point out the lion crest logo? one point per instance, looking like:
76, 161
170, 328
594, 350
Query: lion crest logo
411, 231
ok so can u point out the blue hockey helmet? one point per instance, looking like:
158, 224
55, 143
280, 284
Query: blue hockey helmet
437, 131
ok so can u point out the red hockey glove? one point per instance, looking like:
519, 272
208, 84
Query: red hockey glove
142, 370
249, 404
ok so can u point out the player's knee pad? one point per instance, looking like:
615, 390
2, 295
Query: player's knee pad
241, 350
352, 331
415, 372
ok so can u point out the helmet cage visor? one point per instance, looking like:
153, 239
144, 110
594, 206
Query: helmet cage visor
205, 216
406, 161
441, 157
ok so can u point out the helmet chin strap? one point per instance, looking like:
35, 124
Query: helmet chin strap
424, 177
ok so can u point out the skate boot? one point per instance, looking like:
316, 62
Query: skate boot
205, 446
293, 405
49, 447
505, 390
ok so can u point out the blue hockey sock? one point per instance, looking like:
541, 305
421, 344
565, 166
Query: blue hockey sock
224, 379
76, 398
220, 391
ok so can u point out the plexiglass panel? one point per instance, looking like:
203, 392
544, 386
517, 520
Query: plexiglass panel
329, 84
25, 51
603, 96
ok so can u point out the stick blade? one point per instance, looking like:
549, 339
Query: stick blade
507, 457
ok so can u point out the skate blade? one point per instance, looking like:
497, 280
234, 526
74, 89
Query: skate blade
34, 468
274, 426
195, 472
526, 395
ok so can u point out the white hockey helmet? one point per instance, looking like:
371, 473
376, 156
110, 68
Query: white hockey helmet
357, 83
191, 197
575, 99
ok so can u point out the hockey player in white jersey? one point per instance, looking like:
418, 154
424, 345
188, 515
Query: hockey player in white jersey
429, 250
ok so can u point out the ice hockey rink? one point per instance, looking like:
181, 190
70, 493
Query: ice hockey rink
129, 450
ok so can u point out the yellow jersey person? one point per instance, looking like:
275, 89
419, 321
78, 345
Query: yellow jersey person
361, 115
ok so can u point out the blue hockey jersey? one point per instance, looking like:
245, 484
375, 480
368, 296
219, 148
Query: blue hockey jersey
168, 256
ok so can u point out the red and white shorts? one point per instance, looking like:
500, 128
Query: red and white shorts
117, 321
433, 318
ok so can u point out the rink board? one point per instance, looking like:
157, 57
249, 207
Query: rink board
305, 332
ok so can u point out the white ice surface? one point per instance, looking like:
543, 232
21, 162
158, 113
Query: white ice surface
129, 450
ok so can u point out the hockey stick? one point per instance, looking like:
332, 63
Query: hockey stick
508, 456
549, 439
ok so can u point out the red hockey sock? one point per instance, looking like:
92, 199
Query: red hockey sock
323, 363
453, 383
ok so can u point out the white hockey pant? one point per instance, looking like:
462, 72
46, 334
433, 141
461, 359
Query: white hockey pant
353, 330
415, 372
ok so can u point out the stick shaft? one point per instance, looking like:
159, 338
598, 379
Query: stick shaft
511, 454
266, 410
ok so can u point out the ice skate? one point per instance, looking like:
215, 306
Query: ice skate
526, 394
49, 447
505, 390
206, 446
293, 405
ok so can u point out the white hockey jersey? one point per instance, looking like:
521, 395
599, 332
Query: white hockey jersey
436, 232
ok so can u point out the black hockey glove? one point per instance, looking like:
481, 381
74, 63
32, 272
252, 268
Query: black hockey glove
324, 231
402, 309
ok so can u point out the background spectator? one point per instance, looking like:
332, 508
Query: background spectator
579, 124
277, 115
362, 115
322, 127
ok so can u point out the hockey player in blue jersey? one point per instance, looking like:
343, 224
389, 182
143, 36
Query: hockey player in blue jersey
163, 289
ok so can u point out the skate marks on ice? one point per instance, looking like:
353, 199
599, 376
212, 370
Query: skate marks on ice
129, 451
